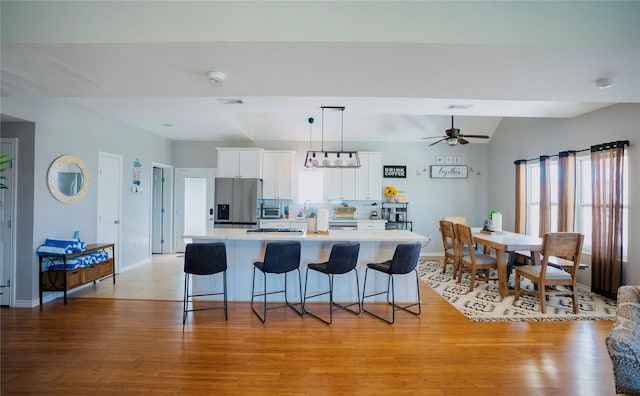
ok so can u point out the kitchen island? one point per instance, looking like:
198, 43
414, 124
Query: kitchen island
244, 248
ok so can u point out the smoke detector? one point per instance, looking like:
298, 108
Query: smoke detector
216, 77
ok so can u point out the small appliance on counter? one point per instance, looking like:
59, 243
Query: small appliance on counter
373, 215
271, 211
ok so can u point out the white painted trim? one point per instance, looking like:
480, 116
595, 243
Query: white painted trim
14, 220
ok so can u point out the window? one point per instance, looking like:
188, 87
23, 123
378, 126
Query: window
583, 199
310, 182
533, 197
584, 204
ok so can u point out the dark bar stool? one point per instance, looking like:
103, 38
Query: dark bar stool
405, 259
342, 260
279, 258
204, 259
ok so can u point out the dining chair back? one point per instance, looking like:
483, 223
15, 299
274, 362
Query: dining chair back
204, 259
456, 219
477, 264
545, 277
447, 229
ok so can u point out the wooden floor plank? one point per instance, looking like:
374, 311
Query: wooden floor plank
114, 346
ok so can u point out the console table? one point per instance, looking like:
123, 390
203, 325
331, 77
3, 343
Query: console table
64, 280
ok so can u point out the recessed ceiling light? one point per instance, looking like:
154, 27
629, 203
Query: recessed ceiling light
606, 82
231, 101
459, 106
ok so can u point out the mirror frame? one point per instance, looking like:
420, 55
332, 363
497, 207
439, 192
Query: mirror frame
52, 178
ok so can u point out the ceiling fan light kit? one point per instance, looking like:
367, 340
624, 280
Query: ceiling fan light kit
331, 159
453, 137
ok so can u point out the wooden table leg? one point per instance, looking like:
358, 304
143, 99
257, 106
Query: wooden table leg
503, 281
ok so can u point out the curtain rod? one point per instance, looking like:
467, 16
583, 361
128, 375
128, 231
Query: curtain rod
592, 148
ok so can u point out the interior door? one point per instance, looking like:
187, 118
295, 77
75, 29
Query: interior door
157, 211
194, 200
7, 222
110, 200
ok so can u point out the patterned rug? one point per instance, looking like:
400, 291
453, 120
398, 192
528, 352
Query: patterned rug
485, 304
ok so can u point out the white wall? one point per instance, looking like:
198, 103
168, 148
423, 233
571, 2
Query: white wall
64, 128
525, 138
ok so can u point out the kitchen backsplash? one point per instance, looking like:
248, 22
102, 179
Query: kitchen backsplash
363, 208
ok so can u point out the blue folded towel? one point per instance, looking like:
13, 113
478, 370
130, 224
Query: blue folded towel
61, 246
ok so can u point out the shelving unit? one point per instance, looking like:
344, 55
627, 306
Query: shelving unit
396, 215
64, 280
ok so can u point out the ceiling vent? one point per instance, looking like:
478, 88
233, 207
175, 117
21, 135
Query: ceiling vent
459, 106
230, 101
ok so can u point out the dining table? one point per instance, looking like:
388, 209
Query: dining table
503, 243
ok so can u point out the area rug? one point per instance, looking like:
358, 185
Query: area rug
485, 304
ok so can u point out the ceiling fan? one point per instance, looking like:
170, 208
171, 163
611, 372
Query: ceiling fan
453, 136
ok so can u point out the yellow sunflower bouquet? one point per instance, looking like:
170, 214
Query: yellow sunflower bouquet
390, 191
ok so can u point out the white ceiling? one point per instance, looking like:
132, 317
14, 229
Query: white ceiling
396, 66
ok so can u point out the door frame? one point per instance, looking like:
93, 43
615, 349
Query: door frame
13, 189
179, 172
167, 227
117, 247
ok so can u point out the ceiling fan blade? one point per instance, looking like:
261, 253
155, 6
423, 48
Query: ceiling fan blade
462, 141
475, 136
433, 137
444, 138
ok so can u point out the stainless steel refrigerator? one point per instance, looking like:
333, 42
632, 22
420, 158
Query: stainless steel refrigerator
237, 202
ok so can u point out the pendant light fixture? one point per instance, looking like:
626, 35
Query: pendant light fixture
331, 159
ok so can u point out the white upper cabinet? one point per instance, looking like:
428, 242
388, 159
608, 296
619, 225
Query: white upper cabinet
240, 162
368, 178
277, 174
340, 183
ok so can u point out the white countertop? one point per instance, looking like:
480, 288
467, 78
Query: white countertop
237, 234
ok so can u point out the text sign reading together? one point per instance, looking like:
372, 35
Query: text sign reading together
394, 171
449, 172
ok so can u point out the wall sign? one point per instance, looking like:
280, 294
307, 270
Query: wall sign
394, 171
449, 171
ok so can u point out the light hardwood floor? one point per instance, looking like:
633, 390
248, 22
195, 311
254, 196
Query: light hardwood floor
113, 345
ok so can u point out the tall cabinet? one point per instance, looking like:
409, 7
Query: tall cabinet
277, 174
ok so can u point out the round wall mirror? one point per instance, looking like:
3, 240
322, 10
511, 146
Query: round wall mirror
68, 178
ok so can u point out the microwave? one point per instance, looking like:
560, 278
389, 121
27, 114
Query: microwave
271, 211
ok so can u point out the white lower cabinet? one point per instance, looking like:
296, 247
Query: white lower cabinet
372, 225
